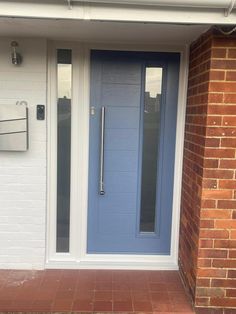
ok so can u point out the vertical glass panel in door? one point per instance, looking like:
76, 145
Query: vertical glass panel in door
64, 71
150, 148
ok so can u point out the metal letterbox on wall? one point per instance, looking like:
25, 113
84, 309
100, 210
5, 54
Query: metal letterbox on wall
13, 127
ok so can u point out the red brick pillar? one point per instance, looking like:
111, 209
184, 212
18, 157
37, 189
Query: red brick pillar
207, 255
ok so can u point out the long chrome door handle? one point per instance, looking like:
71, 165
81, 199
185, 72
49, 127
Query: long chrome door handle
102, 142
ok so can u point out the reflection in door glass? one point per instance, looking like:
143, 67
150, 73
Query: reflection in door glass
151, 132
64, 71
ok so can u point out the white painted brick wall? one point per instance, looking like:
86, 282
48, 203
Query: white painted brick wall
23, 174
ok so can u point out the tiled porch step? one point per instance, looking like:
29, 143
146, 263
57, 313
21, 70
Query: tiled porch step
93, 291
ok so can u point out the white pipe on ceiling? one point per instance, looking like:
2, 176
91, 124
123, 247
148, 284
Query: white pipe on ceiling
217, 4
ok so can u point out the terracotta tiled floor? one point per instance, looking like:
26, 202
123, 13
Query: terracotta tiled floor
93, 291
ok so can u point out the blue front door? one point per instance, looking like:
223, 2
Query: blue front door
133, 101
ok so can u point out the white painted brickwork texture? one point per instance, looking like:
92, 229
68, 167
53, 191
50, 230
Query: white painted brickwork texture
23, 174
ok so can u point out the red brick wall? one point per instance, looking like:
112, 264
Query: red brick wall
208, 212
193, 158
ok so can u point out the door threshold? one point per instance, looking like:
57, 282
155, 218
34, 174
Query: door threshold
134, 262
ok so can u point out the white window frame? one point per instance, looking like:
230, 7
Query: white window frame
78, 257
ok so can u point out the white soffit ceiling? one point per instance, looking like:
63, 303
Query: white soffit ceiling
90, 31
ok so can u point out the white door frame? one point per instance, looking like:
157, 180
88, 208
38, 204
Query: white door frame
78, 257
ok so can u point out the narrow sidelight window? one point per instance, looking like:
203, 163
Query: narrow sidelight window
150, 150
64, 89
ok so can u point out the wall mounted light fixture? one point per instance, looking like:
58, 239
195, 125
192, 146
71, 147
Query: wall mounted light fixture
16, 58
